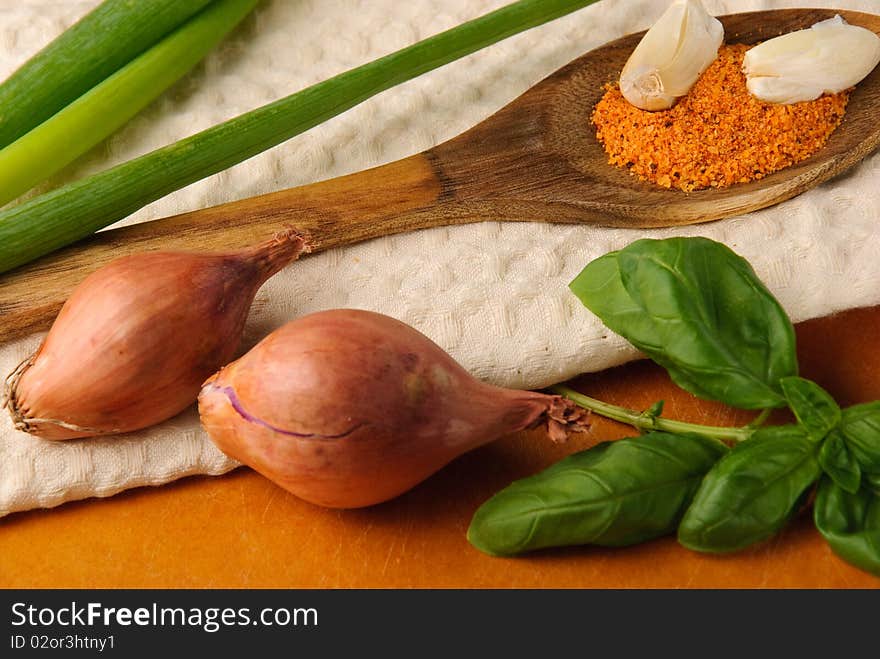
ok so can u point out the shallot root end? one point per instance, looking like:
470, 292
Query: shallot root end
9, 399
20, 419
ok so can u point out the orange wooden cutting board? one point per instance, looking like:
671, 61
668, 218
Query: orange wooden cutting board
240, 530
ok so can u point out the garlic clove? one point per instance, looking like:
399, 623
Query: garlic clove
826, 58
671, 56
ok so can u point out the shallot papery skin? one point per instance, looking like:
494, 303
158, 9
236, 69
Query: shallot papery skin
135, 341
349, 408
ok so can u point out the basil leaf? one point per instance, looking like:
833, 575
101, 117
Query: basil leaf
600, 289
617, 493
850, 522
698, 310
751, 492
872, 481
814, 407
838, 462
721, 329
860, 426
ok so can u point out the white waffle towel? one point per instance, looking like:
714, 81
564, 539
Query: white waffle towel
494, 295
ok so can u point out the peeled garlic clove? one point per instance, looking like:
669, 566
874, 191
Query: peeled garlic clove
136, 339
826, 58
671, 56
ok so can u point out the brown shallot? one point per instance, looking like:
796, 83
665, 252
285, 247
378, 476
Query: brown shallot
348, 408
137, 338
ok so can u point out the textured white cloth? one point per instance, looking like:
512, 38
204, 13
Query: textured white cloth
495, 295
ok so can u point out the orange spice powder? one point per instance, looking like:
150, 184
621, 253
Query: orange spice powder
718, 134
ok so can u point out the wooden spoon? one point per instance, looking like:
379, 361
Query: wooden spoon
536, 159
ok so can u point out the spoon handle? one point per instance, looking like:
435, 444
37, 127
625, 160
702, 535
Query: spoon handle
401, 196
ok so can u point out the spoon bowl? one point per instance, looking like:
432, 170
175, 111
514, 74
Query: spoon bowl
546, 138
536, 160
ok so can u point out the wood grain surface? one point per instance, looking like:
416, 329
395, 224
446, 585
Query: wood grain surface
537, 159
240, 530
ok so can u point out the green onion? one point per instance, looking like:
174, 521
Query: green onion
62, 216
82, 56
101, 111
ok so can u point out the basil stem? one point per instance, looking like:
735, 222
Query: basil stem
60, 217
645, 422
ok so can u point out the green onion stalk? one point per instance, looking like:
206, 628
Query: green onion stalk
74, 211
101, 111
99, 44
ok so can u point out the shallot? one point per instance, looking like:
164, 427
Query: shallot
137, 338
348, 408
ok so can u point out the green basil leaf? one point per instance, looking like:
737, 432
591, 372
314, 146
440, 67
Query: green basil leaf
838, 462
698, 310
722, 331
751, 492
814, 407
860, 426
617, 493
600, 289
850, 522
